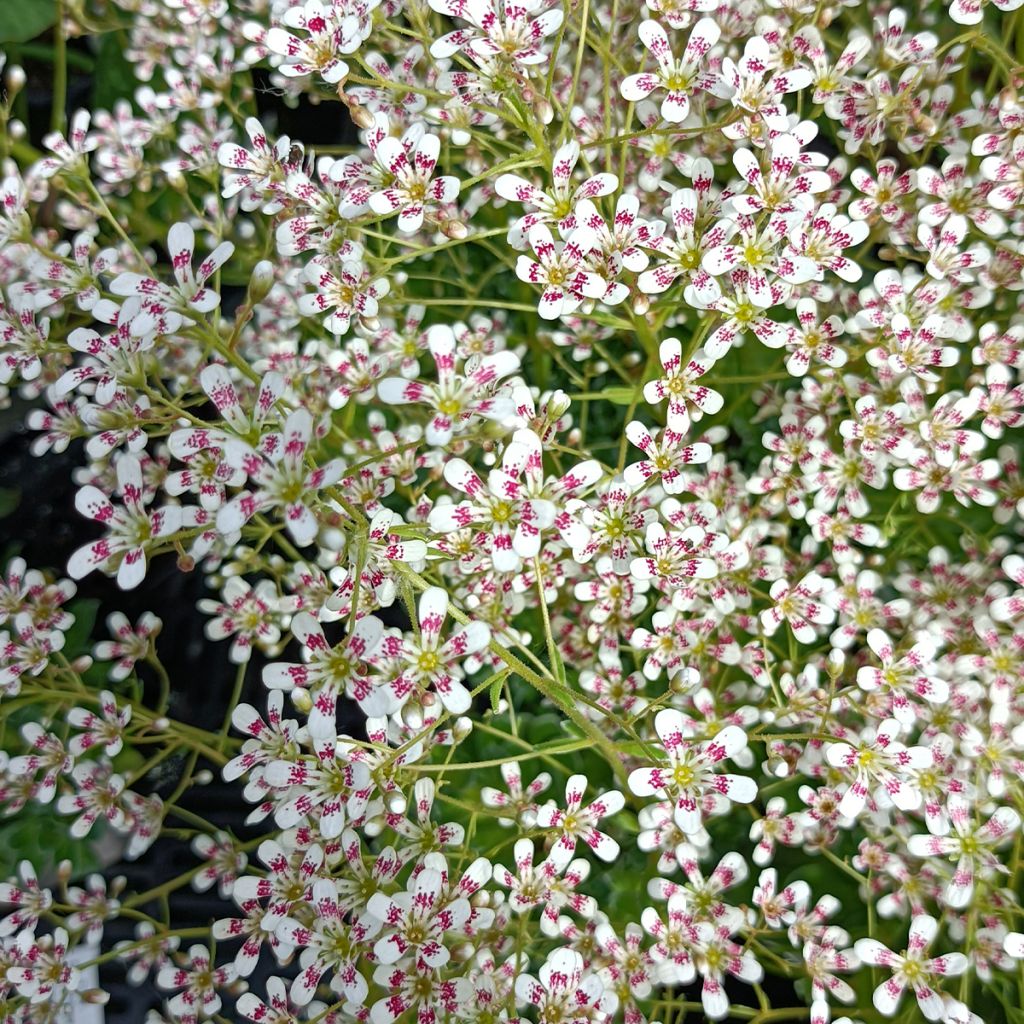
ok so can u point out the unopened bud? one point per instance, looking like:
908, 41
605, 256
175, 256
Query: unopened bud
926, 124
161, 724
203, 778
545, 112
685, 681
16, 129
374, 826
396, 802
361, 117
82, 663
64, 870
558, 403
454, 229
481, 898
412, 715
186, 563
302, 701
641, 303
14, 80
95, 996
260, 282
574, 437
836, 662
462, 728
177, 181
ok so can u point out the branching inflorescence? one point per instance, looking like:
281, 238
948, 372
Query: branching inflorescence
622, 429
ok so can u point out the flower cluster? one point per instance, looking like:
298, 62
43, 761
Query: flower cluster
620, 423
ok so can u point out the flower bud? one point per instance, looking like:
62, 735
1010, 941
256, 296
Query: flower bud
836, 663
361, 117
685, 681
14, 80
260, 282
302, 701
82, 663
203, 778
454, 229
462, 728
412, 715
558, 403
396, 802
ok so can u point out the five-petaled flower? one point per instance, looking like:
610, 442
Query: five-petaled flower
913, 969
578, 823
690, 779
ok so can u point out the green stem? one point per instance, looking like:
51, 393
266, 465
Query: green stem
236, 696
562, 697
60, 71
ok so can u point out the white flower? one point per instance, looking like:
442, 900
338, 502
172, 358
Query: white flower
913, 969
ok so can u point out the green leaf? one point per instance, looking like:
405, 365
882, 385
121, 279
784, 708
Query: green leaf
77, 638
411, 531
1008, 995
559, 669
22, 20
497, 683
113, 78
633, 748
620, 396
628, 823
610, 320
37, 833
